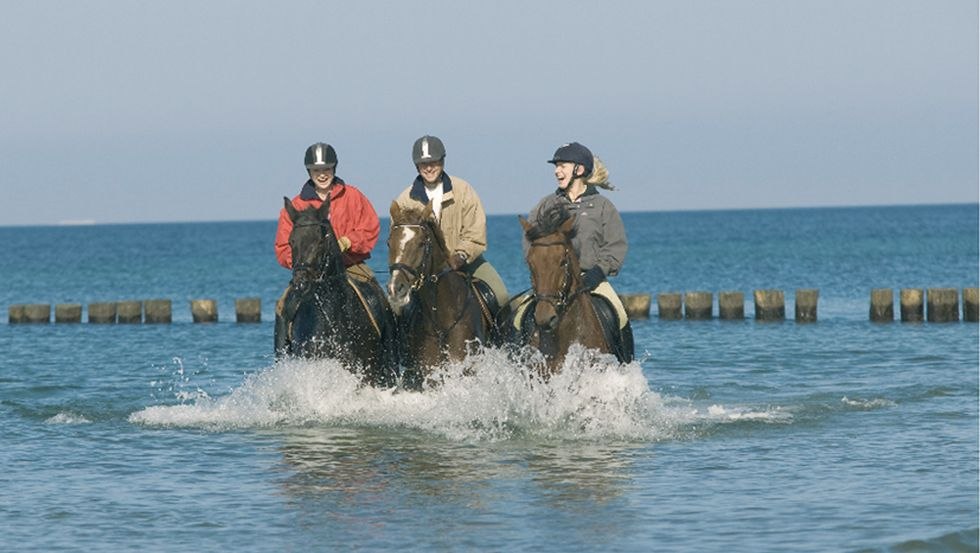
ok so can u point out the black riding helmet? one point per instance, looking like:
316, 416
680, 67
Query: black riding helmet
575, 153
428, 149
320, 156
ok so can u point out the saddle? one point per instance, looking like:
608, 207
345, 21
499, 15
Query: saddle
488, 303
372, 298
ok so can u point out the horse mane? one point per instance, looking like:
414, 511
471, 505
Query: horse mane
548, 222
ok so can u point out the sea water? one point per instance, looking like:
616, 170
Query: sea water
842, 435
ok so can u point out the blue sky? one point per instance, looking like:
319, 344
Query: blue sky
188, 111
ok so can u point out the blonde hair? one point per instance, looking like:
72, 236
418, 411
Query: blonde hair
600, 175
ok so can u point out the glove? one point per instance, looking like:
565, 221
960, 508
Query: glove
457, 261
344, 243
592, 278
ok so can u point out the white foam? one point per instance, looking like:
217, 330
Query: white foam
487, 396
67, 418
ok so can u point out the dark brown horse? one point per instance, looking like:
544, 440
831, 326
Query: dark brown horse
323, 315
441, 317
563, 309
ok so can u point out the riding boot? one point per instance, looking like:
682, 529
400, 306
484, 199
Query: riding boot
626, 353
285, 311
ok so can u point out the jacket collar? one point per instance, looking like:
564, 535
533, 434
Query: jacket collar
418, 188
309, 189
590, 189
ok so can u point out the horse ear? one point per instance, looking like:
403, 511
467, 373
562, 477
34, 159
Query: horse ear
525, 224
567, 226
324, 209
289, 208
428, 214
395, 211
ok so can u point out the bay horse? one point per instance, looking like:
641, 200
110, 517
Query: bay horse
564, 310
441, 319
323, 315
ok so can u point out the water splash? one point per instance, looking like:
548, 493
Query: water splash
488, 396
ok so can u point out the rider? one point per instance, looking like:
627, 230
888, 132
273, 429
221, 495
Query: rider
600, 236
352, 217
354, 221
459, 212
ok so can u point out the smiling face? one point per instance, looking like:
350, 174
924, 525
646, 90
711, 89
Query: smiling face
431, 171
565, 173
322, 177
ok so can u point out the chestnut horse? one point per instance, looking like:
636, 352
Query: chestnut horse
323, 315
441, 319
564, 313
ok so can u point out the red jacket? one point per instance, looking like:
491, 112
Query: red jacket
351, 215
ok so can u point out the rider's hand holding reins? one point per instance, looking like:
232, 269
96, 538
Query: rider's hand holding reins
592, 278
457, 261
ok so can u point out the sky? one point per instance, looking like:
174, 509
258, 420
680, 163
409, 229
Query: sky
138, 111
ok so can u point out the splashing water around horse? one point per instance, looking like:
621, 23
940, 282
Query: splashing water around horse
441, 317
323, 314
563, 309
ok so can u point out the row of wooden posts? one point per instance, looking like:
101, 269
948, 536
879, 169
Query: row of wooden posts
941, 305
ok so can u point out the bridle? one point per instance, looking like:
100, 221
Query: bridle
564, 296
423, 272
299, 266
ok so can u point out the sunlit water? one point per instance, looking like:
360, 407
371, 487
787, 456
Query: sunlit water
724, 436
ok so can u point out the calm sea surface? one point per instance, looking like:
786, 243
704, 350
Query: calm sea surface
726, 436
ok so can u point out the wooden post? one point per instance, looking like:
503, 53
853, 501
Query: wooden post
129, 312
942, 305
697, 305
248, 310
68, 313
731, 305
770, 305
882, 305
637, 305
669, 305
970, 304
806, 305
15, 313
157, 311
204, 311
910, 300
102, 313
37, 313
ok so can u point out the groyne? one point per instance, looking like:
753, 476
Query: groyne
932, 305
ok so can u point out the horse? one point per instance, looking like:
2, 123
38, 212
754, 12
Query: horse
441, 318
323, 315
564, 311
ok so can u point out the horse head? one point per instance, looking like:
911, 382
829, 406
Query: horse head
316, 254
553, 265
416, 250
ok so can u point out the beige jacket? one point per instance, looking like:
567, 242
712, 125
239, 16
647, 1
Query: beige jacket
462, 219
